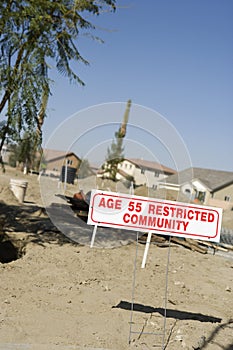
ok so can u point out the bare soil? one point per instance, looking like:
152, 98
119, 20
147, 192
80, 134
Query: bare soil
58, 294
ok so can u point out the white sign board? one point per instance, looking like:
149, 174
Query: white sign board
138, 213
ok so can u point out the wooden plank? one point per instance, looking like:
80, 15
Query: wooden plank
189, 244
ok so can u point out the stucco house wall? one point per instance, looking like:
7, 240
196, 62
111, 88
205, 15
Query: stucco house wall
127, 167
142, 176
222, 198
220, 204
212, 187
57, 164
223, 193
55, 160
208, 197
187, 189
147, 177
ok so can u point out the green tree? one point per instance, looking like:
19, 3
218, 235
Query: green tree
23, 152
26, 152
34, 35
13, 155
115, 153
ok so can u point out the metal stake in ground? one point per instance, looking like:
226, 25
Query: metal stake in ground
133, 291
146, 249
93, 236
163, 333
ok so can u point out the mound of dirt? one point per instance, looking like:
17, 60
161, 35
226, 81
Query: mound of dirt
7, 196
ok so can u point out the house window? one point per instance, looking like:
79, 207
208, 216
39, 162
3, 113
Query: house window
201, 196
125, 166
156, 173
227, 198
142, 171
130, 166
69, 162
154, 187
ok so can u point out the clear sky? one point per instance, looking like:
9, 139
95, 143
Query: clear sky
174, 57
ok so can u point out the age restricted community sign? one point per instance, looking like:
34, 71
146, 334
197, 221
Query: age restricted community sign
138, 213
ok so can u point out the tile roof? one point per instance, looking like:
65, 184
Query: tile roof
122, 173
212, 179
151, 165
53, 154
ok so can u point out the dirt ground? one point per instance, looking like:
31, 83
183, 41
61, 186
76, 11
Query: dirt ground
62, 295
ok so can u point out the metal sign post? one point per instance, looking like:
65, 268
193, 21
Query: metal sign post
146, 249
141, 214
65, 177
162, 343
93, 236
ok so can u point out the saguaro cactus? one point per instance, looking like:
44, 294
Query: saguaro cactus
122, 130
115, 153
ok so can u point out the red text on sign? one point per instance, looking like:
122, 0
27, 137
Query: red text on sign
135, 206
180, 213
110, 203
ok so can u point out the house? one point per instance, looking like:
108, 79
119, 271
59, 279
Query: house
56, 161
142, 172
211, 187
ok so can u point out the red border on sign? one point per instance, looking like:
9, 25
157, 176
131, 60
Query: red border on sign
149, 228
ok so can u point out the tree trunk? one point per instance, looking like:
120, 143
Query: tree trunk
10, 89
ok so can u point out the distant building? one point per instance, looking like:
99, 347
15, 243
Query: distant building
210, 187
143, 172
55, 161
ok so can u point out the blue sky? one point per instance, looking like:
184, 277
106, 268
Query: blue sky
174, 57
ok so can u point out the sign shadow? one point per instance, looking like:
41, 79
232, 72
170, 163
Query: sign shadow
169, 313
